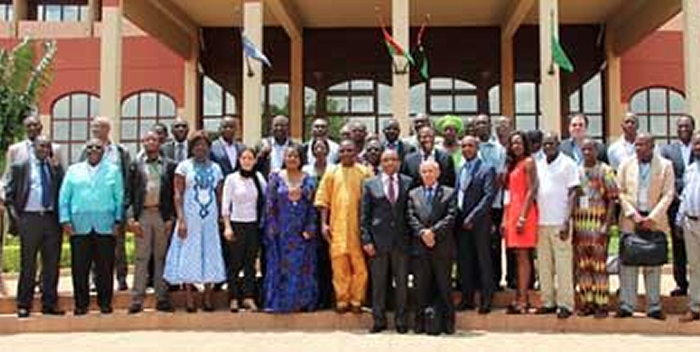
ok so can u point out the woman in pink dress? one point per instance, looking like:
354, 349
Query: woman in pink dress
520, 218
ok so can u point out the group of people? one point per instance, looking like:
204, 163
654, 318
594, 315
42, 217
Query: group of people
342, 224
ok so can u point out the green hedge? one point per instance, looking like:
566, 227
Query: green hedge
11, 256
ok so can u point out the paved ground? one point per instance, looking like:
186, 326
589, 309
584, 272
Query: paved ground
340, 341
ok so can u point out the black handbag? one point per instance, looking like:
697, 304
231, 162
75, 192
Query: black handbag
644, 248
433, 321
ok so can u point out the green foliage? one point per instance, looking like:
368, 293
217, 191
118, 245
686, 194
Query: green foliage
24, 75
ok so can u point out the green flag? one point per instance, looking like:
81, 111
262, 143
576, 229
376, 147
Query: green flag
420, 55
558, 54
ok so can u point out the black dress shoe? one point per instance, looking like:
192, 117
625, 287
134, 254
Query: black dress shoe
545, 310
449, 328
165, 307
465, 305
23, 313
135, 308
377, 328
80, 311
52, 311
688, 317
122, 285
679, 292
483, 310
657, 315
106, 310
563, 313
419, 326
401, 329
621, 314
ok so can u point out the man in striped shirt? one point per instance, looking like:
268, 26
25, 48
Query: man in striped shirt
689, 218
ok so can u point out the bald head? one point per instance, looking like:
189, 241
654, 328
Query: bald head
644, 147
101, 126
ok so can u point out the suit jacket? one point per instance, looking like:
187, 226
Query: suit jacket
124, 162
411, 168
19, 183
138, 181
673, 153
218, 155
567, 147
263, 164
402, 148
168, 150
478, 195
383, 223
661, 192
440, 220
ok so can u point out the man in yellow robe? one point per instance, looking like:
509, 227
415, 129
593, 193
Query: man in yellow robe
339, 197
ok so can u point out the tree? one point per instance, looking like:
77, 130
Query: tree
24, 76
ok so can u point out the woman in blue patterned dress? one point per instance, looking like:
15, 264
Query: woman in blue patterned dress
194, 256
290, 239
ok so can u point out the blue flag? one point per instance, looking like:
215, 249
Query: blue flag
251, 51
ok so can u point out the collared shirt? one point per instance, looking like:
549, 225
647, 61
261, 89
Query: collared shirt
690, 198
277, 155
35, 188
154, 172
386, 179
619, 152
539, 155
577, 153
686, 152
465, 173
643, 188
92, 169
556, 178
112, 154
231, 151
30, 150
430, 156
180, 151
240, 198
493, 154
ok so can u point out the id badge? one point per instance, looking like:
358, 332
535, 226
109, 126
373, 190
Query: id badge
506, 197
583, 202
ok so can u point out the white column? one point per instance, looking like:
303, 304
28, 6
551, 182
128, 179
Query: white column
400, 27
191, 106
507, 77
550, 106
691, 56
252, 113
111, 66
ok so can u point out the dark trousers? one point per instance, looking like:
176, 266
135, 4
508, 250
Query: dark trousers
496, 246
474, 264
384, 267
324, 276
97, 251
243, 251
680, 259
432, 279
39, 233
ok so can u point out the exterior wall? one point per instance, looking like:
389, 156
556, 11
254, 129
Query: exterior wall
656, 61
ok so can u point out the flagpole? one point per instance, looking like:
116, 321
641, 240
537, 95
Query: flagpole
551, 37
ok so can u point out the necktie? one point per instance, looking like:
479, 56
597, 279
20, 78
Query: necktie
46, 186
429, 199
392, 189
180, 152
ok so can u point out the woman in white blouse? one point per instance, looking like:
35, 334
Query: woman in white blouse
242, 207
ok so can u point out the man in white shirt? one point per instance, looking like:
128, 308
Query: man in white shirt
689, 218
319, 130
623, 148
558, 180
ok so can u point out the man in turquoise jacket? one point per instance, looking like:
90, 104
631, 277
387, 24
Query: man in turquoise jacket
91, 209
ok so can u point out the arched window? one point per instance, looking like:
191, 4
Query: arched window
444, 95
658, 109
140, 111
527, 106
216, 103
361, 100
588, 100
495, 100
71, 115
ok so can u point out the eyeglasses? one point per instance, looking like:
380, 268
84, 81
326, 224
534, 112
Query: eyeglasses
94, 147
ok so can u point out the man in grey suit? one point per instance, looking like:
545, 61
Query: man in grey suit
476, 189
431, 217
226, 150
578, 131
385, 238
176, 148
32, 201
680, 153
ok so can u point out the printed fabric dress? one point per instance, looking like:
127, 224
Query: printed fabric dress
290, 277
598, 187
517, 191
197, 258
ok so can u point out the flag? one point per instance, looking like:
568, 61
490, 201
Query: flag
252, 51
559, 56
420, 56
394, 47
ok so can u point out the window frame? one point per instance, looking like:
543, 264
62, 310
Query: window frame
645, 117
140, 119
71, 120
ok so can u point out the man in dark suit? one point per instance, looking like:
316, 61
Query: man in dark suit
681, 155
385, 238
32, 201
150, 218
431, 217
392, 132
578, 131
476, 189
225, 150
270, 150
176, 148
427, 151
